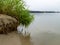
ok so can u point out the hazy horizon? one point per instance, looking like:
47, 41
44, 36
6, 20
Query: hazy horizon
43, 5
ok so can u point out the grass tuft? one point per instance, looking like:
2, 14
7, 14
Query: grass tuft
16, 8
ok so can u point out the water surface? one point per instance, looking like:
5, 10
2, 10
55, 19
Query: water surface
45, 29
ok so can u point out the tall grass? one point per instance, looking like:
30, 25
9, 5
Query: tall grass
16, 8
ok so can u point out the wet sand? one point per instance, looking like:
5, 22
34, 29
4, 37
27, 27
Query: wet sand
14, 39
10, 39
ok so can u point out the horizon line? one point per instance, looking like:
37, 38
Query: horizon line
44, 11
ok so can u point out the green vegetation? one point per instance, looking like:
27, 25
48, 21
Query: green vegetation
16, 8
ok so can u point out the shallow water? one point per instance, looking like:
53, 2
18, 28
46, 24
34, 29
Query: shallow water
44, 30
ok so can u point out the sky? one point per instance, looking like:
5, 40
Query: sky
43, 5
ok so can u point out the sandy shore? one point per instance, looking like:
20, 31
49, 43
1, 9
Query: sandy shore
14, 39
10, 39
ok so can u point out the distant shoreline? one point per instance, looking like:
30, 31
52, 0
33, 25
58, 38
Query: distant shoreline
44, 11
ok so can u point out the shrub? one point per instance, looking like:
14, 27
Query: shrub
16, 9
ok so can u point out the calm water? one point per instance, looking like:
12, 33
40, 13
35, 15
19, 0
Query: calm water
45, 29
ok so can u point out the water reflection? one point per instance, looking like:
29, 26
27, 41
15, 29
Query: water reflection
25, 40
45, 30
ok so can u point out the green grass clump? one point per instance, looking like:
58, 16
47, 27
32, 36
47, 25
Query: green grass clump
16, 8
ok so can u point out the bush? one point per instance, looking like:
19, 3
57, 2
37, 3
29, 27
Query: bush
16, 9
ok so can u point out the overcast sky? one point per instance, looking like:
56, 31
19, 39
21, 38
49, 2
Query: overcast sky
43, 5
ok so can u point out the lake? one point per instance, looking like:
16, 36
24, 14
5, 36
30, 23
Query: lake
45, 29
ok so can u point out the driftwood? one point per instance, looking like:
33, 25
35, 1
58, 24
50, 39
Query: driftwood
7, 24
